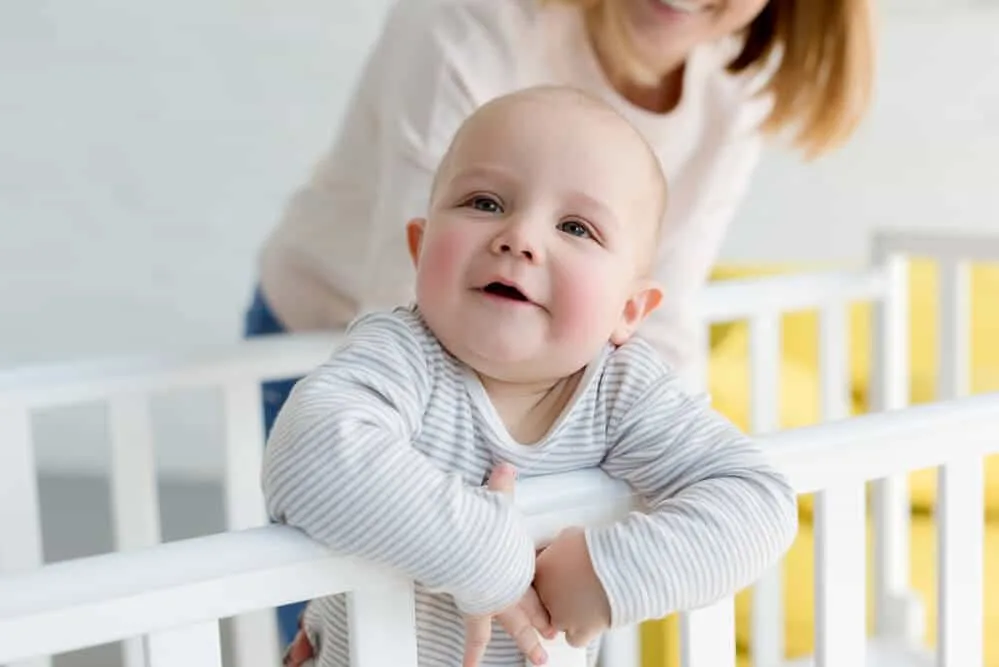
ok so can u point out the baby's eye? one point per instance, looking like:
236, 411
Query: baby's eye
485, 204
575, 228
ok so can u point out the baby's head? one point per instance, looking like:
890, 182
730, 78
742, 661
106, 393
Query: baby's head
542, 228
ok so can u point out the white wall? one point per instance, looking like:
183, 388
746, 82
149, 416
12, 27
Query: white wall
147, 147
927, 156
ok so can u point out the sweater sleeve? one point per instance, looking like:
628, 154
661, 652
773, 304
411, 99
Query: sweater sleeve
340, 465
717, 513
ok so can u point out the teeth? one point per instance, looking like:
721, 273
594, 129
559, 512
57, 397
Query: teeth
682, 5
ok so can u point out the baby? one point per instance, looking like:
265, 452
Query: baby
519, 355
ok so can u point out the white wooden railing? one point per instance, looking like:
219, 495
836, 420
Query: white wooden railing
173, 595
896, 615
126, 386
763, 302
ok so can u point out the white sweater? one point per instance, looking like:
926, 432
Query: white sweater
340, 249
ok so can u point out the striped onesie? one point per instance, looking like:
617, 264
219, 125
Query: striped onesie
383, 451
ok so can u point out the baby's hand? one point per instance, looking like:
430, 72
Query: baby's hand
570, 590
520, 620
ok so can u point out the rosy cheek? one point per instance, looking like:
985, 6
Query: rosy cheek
579, 289
442, 255
446, 246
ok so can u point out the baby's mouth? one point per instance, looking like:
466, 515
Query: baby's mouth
505, 291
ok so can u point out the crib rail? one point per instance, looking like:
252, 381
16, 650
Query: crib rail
952, 253
746, 298
173, 594
263, 358
192, 583
288, 355
943, 246
126, 387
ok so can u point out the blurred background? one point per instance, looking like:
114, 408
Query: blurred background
147, 148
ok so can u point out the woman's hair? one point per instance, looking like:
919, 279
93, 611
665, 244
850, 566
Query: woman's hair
822, 78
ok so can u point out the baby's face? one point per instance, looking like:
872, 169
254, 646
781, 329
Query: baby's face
540, 228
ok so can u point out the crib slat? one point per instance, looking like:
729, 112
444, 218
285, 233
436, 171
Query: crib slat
890, 391
378, 612
20, 516
834, 362
21, 546
707, 636
954, 324
255, 632
621, 647
764, 360
960, 525
840, 577
191, 646
134, 497
244, 450
960, 503
764, 396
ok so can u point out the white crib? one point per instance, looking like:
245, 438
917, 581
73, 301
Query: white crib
165, 600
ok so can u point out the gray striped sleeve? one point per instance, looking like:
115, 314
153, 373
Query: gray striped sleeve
718, 513
341, 466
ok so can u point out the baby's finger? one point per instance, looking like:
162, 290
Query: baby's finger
502, 478
537, 614
518, 626
477, 632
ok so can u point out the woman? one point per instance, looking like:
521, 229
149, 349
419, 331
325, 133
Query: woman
706, 81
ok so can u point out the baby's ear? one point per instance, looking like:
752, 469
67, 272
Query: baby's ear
414, 238
646, 298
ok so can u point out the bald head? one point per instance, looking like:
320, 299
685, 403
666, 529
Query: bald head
561, 99
597, 134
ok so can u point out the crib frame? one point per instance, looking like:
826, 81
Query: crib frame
173, 594
126, 384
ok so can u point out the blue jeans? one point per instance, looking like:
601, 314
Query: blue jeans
260, 321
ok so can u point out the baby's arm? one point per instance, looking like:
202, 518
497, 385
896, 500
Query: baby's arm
718, 513
340, 465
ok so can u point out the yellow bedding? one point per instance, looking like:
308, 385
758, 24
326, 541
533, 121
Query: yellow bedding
660, 639
799, 401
